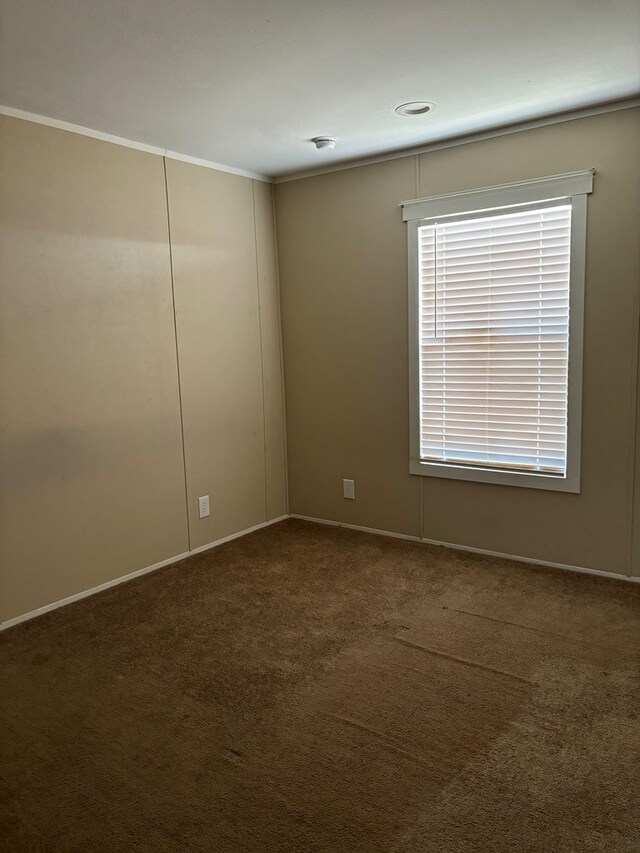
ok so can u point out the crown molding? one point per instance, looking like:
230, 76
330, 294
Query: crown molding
451, 142
128, 143
465, 139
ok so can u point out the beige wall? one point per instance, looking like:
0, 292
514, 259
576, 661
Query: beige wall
635, 534
228, 331
93, 480
218, 326
342, 250
271, 337
343, 274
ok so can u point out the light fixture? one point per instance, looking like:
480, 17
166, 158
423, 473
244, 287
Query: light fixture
415, 108
324, 142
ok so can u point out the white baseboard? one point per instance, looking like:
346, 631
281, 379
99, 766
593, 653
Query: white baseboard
471, 550
116, 581
9, 623
374, 530
533, 561
233, 536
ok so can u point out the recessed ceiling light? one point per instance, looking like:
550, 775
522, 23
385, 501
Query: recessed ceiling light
324, 142
415, 108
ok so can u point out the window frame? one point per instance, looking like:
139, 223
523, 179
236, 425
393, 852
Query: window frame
573, 186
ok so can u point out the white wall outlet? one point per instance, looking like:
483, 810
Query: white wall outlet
203, 506
349, 489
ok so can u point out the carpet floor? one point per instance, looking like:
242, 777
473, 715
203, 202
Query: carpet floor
309, 688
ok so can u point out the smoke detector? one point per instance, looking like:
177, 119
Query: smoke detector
415, 108
324, 142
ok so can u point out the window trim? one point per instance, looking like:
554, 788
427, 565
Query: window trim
574, 186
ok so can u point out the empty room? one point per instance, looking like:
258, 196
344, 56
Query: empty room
319, 426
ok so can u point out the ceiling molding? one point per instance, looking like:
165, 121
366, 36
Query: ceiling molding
219, 167
452, 142
127, 143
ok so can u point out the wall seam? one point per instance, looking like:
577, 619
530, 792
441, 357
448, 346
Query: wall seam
175, 334
285, 442
264, 408
421, 485
632, 497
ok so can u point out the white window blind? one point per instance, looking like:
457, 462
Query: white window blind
494, 338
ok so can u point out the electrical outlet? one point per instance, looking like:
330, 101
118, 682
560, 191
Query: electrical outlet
203, 506
349, 489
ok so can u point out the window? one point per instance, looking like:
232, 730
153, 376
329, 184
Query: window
496, 302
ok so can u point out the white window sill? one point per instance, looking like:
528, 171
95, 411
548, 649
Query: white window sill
547, 482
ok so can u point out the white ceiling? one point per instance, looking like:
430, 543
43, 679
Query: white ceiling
247, 83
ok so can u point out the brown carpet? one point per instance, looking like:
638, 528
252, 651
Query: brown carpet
309, 688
